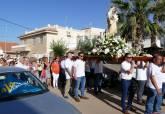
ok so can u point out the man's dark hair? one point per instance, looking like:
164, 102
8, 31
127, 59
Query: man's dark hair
141, 54
80, 53
127, 54
156, 55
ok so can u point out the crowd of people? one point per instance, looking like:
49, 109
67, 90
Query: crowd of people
138, 75
67, 73
73, 73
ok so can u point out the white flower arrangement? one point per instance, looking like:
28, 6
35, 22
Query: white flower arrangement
113, 46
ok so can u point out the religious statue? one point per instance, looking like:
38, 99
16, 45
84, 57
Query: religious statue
112, 20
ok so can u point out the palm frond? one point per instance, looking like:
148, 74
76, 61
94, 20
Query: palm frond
121, 5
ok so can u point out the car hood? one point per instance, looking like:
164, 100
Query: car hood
46, 103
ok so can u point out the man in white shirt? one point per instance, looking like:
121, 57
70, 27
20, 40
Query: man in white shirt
68, 73
154, 97
127, 68
79, 76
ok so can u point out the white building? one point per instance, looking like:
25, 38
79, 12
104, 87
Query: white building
37, 42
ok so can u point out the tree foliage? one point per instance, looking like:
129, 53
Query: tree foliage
58, 47
86, 45
136, 21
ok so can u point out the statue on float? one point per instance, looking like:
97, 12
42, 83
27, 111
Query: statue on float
112, 19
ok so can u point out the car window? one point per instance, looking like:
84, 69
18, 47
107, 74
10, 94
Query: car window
19, 83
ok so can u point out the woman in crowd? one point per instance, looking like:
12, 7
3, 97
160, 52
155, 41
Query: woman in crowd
3, 62
40, 67
45, 75
55, 68
141, 77
98, 76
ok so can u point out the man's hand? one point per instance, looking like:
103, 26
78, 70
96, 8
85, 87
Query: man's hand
74, 77
133, 63
128, 72
159, 92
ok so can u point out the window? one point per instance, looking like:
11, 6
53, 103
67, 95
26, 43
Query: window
41, 39
68, 34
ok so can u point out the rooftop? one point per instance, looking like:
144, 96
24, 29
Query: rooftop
6, 46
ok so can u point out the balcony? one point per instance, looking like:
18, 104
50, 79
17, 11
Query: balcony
21, 48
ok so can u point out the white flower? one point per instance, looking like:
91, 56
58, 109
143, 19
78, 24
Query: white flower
89, 53
94, 50
106, 51
120, 51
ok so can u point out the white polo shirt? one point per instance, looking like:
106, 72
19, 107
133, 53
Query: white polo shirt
63, 64
68, 64
125, 66
155, 71
80, 68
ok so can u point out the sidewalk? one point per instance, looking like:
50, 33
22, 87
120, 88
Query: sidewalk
106, 103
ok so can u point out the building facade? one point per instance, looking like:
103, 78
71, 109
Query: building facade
36, 43
6, 48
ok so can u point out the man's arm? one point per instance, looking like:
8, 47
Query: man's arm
153, 80
67, 70
74, 72
129, 71
163, 69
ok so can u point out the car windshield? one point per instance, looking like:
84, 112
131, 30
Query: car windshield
17, 84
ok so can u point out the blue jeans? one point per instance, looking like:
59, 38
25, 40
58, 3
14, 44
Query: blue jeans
79, 82
163, 91
154, 101
125, 86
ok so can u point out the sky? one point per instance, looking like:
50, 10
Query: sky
39, 13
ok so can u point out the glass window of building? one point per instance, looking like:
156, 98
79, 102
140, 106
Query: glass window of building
68, 34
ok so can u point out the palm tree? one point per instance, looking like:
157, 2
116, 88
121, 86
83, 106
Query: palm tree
136, 23
159, 18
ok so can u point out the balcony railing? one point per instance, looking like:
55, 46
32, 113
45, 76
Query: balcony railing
21, 48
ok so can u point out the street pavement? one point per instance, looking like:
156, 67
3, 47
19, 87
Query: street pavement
106, 103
